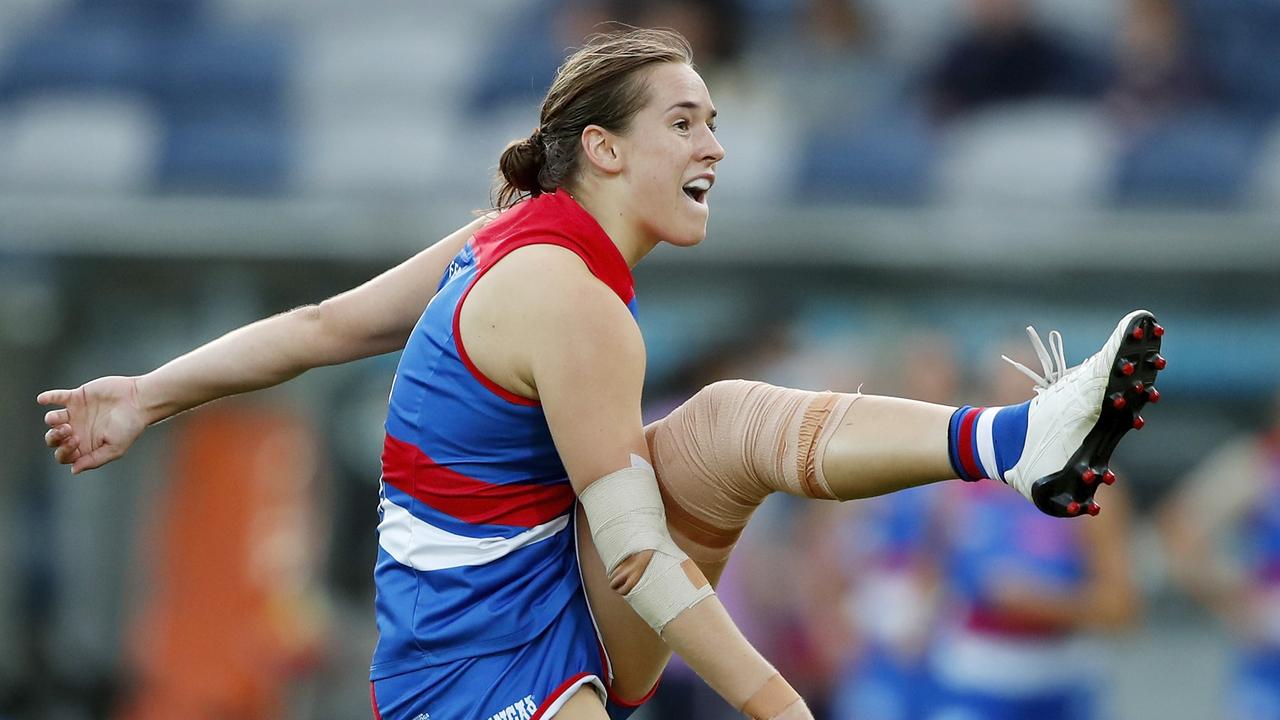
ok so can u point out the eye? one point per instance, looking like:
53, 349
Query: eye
681, 125
712, 126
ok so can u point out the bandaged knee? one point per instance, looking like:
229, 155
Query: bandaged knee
624, 511
719, 455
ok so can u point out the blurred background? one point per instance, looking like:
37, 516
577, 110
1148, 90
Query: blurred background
907, 185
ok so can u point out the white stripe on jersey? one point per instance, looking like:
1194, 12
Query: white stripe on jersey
423, 546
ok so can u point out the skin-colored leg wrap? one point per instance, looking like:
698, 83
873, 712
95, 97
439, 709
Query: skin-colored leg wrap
719, 455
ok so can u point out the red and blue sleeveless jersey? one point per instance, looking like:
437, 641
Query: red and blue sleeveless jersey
476, 550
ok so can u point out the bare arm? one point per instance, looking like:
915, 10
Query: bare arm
1211, 501
584, 360
1108, 598
101, 419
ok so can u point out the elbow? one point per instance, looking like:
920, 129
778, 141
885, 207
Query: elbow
309, 315
329, 338
627, 574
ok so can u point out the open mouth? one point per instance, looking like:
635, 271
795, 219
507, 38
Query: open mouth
697, 190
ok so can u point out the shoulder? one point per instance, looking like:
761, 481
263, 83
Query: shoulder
556, 295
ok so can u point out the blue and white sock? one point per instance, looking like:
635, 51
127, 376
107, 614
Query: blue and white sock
986, 442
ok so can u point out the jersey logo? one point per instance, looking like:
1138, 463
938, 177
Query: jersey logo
522, 709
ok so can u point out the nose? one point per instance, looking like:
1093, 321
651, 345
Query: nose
712, 150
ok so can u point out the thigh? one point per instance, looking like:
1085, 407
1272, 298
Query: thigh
636, 656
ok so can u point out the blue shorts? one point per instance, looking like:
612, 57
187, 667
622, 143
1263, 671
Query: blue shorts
529, 682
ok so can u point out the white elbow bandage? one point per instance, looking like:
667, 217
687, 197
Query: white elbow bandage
624, 510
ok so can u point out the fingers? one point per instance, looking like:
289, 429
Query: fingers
66, 446
54, 418
66, 454
95, 459
54, 397
59, 435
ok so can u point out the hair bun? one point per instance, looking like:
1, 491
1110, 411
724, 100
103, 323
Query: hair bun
522, 162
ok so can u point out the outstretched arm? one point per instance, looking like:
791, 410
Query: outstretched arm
99, 420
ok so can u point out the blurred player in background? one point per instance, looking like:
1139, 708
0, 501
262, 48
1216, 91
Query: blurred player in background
481, 606
891, 569
1222, 530
1024, 595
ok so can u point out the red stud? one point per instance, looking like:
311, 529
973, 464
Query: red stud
1159, 362
1125, 367
1093, 509
1109, 478
1139, 333
1073, 508
1138, 422
1088, 476
1117, 401
1153, 395
1157, 330
1138, 387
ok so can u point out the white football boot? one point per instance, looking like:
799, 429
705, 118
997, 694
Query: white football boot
1079, 414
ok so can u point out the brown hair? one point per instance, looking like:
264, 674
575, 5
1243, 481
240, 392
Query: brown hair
600, 84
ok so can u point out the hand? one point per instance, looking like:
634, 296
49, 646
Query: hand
96, 424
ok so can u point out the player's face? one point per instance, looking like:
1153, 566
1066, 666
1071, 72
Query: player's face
671, 155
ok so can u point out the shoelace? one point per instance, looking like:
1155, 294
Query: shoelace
1055, 364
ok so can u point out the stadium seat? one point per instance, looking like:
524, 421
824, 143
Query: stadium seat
1202, 158
1046, 153
204, 71
409, 67
81, 52
1235, 42
889, 158
225, 155
70, 143
380, 151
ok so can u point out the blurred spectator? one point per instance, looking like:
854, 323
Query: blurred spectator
1183, 140
714, 28
1222, 530
1024, 590
1004, 54
1155, 75
833, 63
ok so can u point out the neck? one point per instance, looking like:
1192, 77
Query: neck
629, 239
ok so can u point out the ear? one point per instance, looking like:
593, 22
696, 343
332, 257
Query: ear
600, 148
